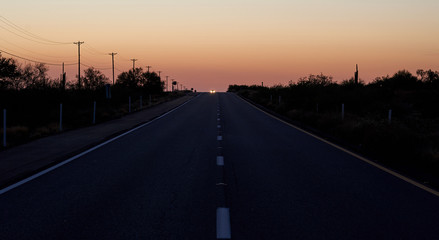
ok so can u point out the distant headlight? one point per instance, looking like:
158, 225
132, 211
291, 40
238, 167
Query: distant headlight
212, 91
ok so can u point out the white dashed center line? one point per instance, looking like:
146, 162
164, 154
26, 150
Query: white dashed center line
222, 213
220, 160
223, 224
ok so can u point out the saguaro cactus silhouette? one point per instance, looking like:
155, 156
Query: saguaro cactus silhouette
356, 75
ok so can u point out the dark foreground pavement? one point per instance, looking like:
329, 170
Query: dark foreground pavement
21, 161
165, 181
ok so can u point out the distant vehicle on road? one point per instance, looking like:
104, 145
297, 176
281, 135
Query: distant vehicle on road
212, 91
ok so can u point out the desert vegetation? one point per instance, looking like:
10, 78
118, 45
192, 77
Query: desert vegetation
33, 100
393, 119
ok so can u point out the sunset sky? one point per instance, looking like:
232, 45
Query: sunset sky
211, 44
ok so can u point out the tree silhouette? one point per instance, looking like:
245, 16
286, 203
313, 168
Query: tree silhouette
152, 82
34, 76
130, 79
429, 76
316, 80
149, 81
9, 72
93, 79
403, 79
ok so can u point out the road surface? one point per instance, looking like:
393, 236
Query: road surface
218, 168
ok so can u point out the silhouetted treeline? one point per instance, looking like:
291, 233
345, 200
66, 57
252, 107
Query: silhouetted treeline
17, 77
149, 81
408, 140
32, 99
402, 92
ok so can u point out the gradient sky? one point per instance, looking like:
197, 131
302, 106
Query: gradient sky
211, 44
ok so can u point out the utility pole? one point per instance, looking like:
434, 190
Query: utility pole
148, 67
79, 62
112, 60
63, 78
167, 83
134, 60
159, 73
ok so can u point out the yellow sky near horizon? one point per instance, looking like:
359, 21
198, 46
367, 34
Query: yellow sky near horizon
213, 44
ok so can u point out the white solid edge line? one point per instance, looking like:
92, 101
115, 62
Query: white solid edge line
404, 178
220, 160
223, 223
36, 175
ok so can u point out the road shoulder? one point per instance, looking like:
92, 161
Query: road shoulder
25, 160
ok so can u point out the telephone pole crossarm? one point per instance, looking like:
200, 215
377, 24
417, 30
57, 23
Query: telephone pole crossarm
134, 60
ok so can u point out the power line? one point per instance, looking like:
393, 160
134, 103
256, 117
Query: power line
93, 50
34, 61
90, 52
117, 65
124, 59
1, 39
26, 37
99, 68
29, 34
91, 60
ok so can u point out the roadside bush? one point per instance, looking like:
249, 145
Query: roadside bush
408, 143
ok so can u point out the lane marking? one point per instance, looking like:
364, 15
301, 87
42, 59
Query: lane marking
219, 138
218, 119
220, 160
404, 178
218, 126
223, 223
39, 174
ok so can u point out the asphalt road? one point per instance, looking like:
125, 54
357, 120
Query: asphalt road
165, 181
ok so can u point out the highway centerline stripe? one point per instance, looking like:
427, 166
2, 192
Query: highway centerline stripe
220, 160
218, 126
219, 138
223, 223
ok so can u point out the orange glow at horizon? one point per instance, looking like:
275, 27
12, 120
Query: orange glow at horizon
211, 45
